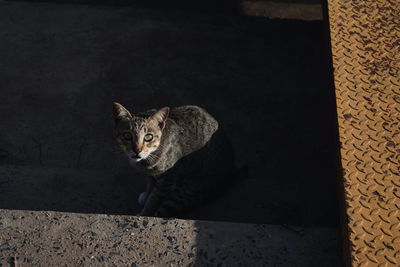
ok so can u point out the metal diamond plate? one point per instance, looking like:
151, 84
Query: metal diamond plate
365, 41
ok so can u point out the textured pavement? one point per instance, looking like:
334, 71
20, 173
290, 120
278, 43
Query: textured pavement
66, 239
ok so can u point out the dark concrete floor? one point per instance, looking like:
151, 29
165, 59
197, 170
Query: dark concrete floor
265, 80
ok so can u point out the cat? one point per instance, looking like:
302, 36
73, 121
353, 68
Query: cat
184, 151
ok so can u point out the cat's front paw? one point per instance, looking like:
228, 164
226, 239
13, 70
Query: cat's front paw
142, 198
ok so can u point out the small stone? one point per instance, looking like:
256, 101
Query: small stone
122, 225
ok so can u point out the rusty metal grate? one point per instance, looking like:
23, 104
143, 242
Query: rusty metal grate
365, 40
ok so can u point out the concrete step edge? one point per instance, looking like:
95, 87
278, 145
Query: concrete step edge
50, 238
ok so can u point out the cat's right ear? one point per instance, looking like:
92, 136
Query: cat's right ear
120, 112
161, 117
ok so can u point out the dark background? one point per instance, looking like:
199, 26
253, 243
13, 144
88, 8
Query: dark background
266, 81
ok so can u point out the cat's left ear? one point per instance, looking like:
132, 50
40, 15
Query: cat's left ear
161, 117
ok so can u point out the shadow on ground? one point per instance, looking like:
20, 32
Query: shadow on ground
265, 245
265, 81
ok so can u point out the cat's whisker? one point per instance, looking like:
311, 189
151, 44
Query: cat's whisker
152, 157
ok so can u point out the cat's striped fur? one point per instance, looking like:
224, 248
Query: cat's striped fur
188, 159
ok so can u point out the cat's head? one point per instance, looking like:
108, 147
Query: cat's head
139, 136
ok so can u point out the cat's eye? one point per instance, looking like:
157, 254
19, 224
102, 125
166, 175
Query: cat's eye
148, 137
127, 136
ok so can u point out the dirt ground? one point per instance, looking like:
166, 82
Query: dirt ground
64, 239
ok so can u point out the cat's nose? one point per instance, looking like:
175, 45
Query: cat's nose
136, 150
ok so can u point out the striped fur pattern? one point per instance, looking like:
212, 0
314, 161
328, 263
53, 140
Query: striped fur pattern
185, 153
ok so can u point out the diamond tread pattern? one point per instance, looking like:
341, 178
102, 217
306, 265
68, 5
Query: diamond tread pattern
365, 41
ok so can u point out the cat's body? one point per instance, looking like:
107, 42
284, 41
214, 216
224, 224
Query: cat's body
188, 159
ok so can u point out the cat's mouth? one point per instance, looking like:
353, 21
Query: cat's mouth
136, 158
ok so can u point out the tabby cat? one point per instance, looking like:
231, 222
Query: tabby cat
185, 153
